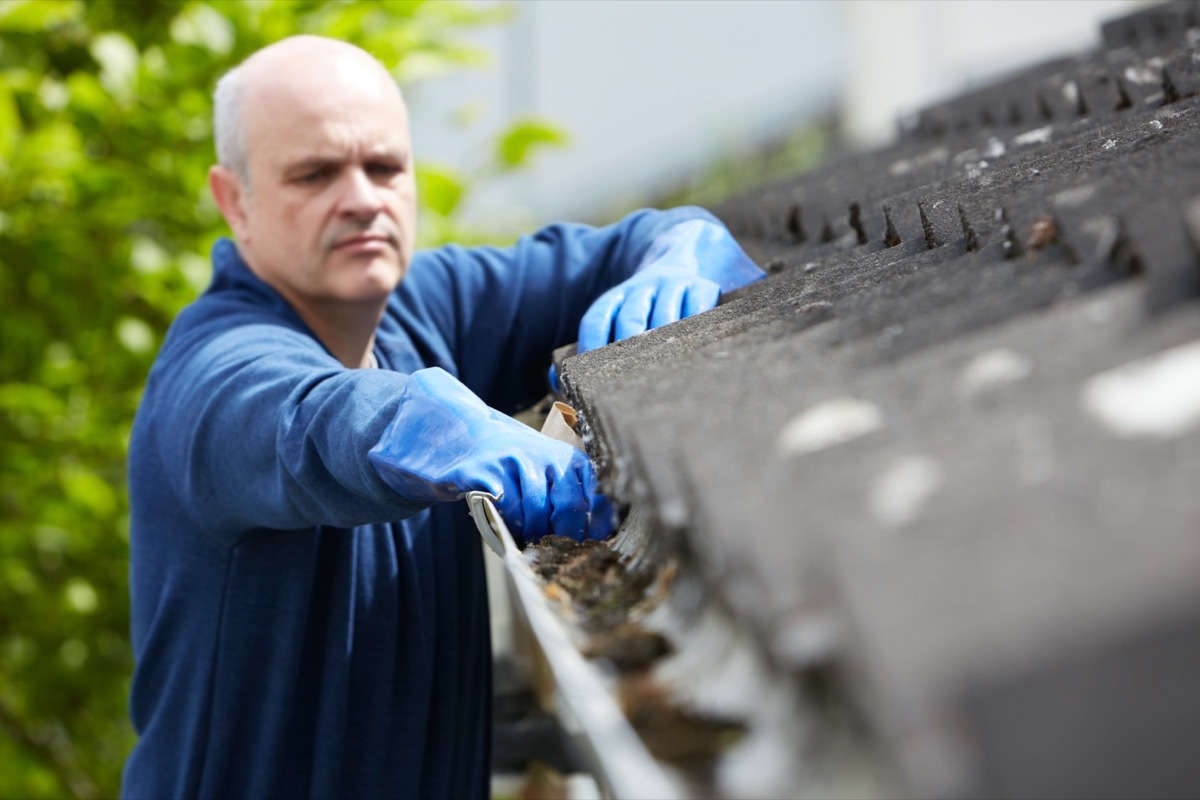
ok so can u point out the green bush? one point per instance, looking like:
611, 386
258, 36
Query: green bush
105, 227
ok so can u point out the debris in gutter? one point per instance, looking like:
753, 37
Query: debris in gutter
673, 734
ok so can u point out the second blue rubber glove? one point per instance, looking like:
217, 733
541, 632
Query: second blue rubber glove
445, 442
683, 273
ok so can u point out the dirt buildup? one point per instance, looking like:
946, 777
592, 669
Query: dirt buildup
1043, 233
629, 647
601, 588
685, 738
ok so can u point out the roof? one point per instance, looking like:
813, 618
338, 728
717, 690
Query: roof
949, 451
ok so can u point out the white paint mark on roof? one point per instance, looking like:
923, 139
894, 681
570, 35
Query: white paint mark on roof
937, 155
898, 495
1156, 397
1070, 92
975, 170
1110, 144
1075, 196
1140, 75
807, 640
995, 148
826, 424
1035, 136
970, 154
1156, 124
992, 369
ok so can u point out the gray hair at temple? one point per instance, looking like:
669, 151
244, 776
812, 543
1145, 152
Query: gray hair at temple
227, 125
228, 131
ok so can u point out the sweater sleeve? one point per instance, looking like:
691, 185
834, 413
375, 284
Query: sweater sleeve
501, 312
256, 426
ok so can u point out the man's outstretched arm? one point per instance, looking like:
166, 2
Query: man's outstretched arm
503, 311
260, 428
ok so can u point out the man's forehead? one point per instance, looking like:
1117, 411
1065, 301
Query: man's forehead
335, 142
309, 91
326, 97
342, 149
327, 122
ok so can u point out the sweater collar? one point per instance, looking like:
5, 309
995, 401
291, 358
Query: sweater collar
231, 273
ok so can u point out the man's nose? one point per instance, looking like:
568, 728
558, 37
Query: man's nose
360, 196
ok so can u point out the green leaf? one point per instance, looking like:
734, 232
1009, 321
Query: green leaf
464, 15
521, 140
135, 335
18, 578
33, 16
196, 271
118, 59
54, 147
49, 539
440, 187
10, 126
30, 399
202, 25
53, 95
87, 95
74, 653
147, 257
423, 65
80, 596
88, 490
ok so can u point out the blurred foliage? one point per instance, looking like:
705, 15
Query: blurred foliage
795, 153
444, 188
105, 227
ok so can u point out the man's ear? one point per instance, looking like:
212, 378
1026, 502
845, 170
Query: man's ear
228, 192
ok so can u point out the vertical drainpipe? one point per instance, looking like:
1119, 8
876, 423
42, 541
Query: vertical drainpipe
892, 66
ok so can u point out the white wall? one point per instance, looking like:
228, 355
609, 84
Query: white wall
648, 90
653, 90
908, 54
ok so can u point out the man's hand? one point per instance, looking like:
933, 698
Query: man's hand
683, 273
445, 442
655, 296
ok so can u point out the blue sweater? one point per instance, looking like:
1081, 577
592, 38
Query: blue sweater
300, 629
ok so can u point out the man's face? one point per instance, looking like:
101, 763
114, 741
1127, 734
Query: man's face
328, 215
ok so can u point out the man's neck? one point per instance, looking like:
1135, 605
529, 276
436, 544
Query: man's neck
346, 329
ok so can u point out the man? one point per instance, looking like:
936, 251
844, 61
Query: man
309, 614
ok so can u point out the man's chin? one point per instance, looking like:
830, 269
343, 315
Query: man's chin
369, 274
375, 281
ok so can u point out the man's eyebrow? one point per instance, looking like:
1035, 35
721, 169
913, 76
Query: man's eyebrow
311, 163
396, 153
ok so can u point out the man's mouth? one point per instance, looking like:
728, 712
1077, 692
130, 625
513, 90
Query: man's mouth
364, 243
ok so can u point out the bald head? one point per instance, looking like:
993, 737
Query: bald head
315, 177
287, 71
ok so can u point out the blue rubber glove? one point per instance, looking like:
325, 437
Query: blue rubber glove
684, 271
445, 442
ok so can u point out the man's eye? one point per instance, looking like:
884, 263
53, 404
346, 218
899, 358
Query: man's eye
315, 176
